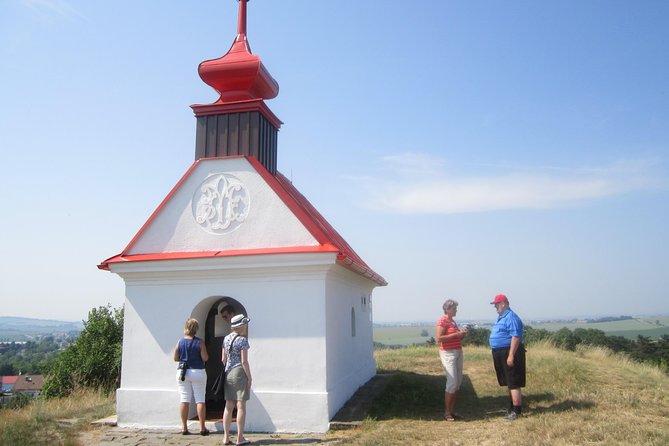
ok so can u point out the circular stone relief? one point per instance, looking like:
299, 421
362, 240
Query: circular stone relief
221, 203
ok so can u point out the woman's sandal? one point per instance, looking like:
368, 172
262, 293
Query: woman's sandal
185, 432
204, 432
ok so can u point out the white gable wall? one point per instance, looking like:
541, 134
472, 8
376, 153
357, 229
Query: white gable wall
269, 223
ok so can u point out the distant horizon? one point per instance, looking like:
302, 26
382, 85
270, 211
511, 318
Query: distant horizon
56, 321
416, 321
539, 319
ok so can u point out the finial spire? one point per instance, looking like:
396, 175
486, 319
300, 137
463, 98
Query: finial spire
241, 21
239, 75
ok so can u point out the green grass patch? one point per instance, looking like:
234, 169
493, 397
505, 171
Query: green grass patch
403, 335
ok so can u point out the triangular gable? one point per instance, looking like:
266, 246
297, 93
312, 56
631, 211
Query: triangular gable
275, 218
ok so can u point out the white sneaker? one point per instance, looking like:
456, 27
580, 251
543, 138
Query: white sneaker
512, 416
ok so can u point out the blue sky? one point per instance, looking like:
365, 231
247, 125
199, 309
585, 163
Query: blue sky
462, 148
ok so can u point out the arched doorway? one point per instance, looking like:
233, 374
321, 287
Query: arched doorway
215, 331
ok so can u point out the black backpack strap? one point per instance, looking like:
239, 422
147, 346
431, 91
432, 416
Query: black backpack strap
231, 344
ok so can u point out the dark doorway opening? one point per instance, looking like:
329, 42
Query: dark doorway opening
215, 331
214, 365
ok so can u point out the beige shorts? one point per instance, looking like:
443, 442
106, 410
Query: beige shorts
452, 360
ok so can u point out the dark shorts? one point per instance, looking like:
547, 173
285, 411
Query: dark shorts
511, 377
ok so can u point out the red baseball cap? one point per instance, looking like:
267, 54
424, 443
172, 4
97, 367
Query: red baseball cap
499, 298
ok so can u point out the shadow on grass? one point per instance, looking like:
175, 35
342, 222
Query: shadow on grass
415, 396
564, 406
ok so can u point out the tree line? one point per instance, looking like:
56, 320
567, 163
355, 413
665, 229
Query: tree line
93, 359
642, 349
32, 357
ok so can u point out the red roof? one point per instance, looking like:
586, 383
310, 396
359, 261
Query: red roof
9, 379
328, 238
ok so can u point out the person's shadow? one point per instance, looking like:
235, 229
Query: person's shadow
416, 396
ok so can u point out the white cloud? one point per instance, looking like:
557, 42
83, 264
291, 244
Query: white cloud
413, 163
418, 184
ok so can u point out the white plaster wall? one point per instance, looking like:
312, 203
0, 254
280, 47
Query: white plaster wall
350, 357
147, 408
269, 223
286, 303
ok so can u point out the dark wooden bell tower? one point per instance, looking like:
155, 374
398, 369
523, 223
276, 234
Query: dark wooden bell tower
239, 122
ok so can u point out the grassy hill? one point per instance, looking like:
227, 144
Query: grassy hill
572, 398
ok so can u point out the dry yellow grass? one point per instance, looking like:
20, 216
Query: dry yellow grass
572, 398
54, 422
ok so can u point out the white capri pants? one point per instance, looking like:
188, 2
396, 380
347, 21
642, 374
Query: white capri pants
452, 361
194, 385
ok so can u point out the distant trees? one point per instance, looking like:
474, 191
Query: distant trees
31, 357
644, 349
476, 336
93, 360
655, 352
610, 319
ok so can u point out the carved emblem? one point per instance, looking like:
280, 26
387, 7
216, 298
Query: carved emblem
221, 203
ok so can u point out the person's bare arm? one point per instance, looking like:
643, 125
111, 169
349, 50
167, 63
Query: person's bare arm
203, 352
176, 352
515, 343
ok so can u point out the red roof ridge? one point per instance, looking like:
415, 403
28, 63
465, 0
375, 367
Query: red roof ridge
120, 258
315, 223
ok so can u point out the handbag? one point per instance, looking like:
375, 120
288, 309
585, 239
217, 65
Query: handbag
218, 386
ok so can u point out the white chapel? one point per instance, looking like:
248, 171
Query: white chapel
235, 231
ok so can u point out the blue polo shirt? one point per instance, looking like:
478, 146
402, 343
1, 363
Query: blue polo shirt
508, 324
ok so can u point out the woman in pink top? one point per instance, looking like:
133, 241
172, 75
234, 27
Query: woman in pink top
449, 337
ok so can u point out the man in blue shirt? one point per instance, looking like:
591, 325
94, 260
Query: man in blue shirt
508, 353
